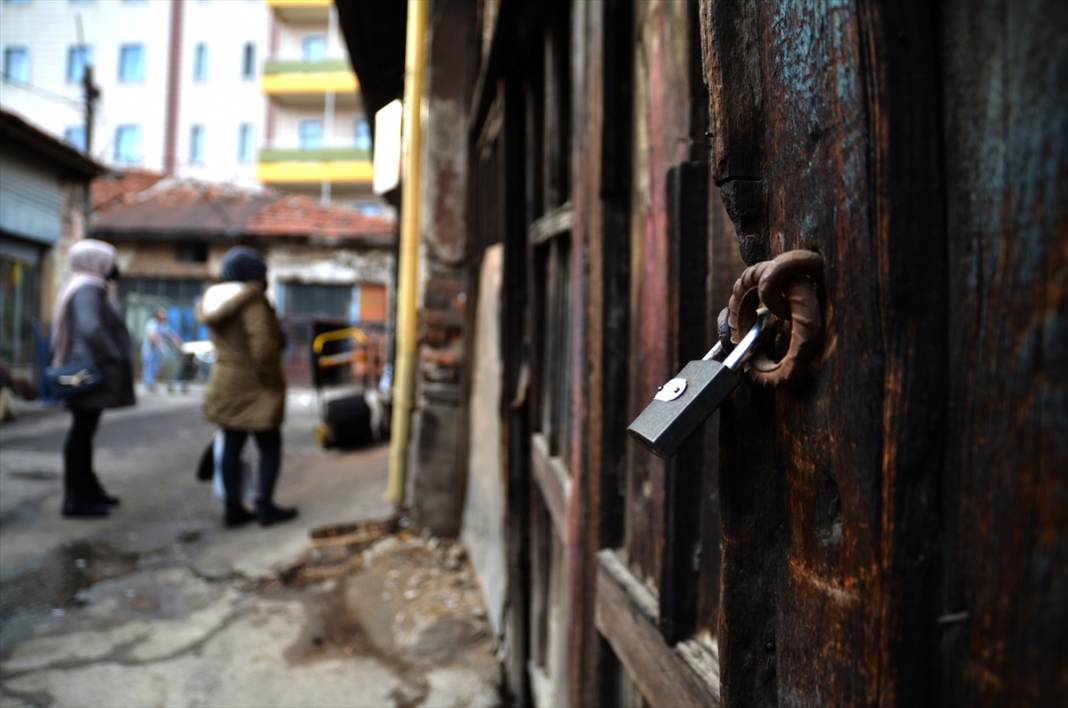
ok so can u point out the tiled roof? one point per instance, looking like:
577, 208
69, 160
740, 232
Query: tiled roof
47, 151
299, 214
145, 204
117, 186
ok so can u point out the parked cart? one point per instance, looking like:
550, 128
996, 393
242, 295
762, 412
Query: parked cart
345, 373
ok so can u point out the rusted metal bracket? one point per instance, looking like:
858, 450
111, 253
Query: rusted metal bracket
788, 286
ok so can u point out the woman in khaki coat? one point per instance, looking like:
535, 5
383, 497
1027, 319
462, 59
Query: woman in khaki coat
247, 390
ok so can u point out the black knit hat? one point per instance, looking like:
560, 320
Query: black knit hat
244, 265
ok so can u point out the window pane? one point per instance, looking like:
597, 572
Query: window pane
248, 61
17, 65
363, 134
318, 300
244, 143
315, 47
311, 134
196, 145
75, 135
132, 62
78, 56
200, 62
128, 144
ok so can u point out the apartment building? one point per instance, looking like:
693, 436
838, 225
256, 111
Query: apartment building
318, 136
179, 81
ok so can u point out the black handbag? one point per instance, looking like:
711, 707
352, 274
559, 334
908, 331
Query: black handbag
74, 379
206, 466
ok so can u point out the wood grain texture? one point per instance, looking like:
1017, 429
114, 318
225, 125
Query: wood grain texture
505, 217
724, 263
553, 223
553, 483
687, 187
1004, 68
626, 616
845, 163
661, 139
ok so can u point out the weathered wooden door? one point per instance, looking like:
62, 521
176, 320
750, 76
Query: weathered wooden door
884, 528
889, 530
545, 83
873, 547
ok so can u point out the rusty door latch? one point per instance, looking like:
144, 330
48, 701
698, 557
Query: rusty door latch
788, 286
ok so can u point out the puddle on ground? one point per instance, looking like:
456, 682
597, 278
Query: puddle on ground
65, 572
35, 475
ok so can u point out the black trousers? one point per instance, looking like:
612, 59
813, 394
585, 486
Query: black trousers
79, 480
269, 443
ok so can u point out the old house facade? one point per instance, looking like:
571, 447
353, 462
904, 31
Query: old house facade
44, 186
328, 266
888, 526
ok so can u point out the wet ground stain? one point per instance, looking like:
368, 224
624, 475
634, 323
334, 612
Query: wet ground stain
35, 475
411, 604
63, 575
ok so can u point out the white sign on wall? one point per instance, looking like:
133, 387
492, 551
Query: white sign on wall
388, 122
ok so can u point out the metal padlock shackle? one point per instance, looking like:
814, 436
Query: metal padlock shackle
745, 349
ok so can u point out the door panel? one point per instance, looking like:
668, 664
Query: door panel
822, 119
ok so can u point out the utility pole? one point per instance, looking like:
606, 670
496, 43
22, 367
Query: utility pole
90, 94
325, 193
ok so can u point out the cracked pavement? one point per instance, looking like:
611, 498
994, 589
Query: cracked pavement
158, 605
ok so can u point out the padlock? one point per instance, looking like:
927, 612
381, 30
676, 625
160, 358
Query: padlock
687, 400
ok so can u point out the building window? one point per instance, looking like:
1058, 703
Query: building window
17, 65
363, 134
370, 208
75, 135
192, 252
200, 62
196, 145
244, 143
79, 56
311, 134
314, 47
308, 300
132, 63
128, 145
248, 61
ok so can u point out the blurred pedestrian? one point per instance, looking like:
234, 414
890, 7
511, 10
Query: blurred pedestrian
159, 341
247, 389
88, 327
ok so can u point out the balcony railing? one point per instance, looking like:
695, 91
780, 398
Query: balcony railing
286, 66
313, 155
295, 166
301, 10
298, 82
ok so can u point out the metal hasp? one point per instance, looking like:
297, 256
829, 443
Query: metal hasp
788, 287
669, 420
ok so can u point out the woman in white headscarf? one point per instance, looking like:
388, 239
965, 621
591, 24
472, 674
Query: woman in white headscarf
88, 325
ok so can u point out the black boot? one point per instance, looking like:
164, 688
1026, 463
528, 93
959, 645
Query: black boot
76, 508
269, 514
236, 515
97, 493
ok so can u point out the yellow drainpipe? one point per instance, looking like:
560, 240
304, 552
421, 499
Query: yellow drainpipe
408, 268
